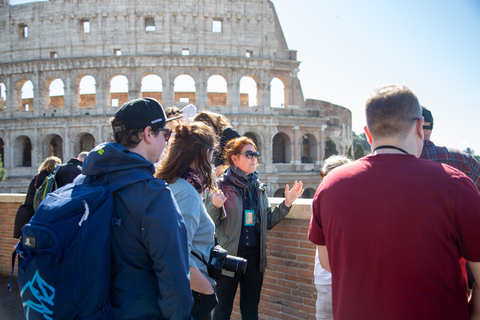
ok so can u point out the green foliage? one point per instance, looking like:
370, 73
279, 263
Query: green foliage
362, 139
3, 172
350, 152
359, 152
330, 149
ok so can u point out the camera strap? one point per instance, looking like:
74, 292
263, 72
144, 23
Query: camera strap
199, 257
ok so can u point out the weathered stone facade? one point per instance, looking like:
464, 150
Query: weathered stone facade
65, 41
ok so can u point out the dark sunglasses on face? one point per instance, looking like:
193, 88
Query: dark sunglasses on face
167, 134
250, 154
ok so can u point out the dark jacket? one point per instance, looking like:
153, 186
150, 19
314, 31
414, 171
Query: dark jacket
151, 231
228, 229
68, 172
25, 211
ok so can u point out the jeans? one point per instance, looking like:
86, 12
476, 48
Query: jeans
203, 305
324, 302
250, 288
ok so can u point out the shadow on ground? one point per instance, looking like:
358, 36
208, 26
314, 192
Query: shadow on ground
10, 302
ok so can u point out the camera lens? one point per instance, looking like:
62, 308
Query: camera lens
235, 264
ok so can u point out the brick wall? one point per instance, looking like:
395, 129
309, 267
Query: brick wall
288, 291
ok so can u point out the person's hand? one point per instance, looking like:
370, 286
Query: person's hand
218, 199
292, 195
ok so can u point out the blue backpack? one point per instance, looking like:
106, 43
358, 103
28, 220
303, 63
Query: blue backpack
64, 251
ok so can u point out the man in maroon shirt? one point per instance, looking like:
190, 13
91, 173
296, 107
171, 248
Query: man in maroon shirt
392, 227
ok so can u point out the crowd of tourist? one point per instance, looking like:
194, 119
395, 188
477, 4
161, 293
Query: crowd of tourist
396, 235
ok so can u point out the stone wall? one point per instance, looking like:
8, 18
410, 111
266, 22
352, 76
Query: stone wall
288, 291
136, 39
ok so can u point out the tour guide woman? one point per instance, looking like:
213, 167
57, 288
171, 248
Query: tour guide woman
242, 229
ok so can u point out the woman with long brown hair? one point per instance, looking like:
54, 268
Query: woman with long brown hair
187, 169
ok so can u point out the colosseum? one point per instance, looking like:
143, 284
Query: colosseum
66, 66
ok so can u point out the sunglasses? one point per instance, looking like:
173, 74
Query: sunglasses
168, 133
250, 154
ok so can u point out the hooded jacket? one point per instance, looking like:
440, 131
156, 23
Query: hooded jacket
150, 231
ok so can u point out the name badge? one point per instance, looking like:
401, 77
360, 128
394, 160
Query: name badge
249, 218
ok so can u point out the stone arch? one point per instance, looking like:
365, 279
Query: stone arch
22, 151
184, 90
308, 148
86, 86
25, 91
278, 92
257, 139
152, 86
83, 141
281, 149
217, 90
3, 97
279, 193
308, 193
56, 93
52, 145
248, 88
117, 93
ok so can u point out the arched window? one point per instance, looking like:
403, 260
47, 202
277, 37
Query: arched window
118, 90
27, 96
2, 152
217, 91
248, 92
3, 97
87, 92
278, 149
56, 93
87, 142
277, 93
22, 152
52, 146
280, 193
308, 193
184, 90
152, 86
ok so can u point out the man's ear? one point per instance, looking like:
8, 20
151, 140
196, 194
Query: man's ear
419, 128
368, 134
147, 134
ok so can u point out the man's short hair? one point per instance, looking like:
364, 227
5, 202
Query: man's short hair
391, 111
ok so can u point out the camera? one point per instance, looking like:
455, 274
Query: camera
219, 259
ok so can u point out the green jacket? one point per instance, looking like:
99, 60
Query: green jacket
229, 228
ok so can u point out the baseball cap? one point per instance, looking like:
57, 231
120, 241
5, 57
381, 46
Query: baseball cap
427, 115
141, 113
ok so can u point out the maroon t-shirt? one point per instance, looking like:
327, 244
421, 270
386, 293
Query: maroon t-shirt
395, 228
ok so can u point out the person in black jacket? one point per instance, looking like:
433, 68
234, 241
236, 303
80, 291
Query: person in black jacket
70, 170
224, 131
26, 211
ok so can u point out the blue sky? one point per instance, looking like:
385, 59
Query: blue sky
349, 47
432, 46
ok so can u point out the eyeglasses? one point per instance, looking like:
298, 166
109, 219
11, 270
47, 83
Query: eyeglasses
250, 154
167, 134
322, 174
215, 151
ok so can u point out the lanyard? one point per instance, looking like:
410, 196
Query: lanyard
390, 147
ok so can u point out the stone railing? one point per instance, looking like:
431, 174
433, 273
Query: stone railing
288, 289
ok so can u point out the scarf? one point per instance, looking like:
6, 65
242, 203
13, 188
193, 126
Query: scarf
196, 180
247, 185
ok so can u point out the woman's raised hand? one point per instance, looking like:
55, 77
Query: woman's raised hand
292, 195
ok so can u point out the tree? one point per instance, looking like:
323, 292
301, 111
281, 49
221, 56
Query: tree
359, 152
362, 139
3, 172
472, 153
350, 153
330, 149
